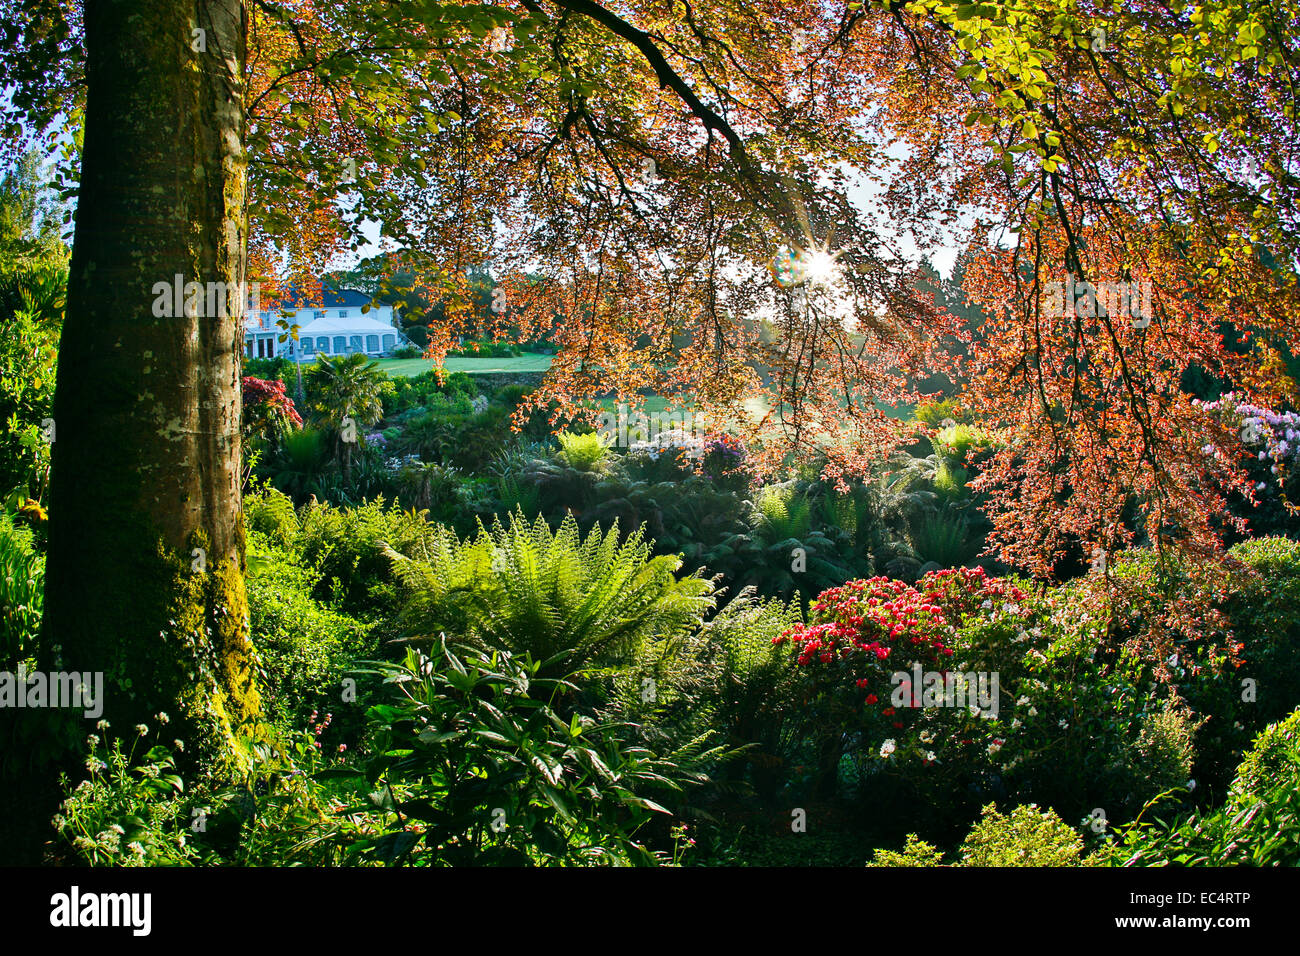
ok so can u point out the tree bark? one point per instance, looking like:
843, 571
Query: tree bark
146, 544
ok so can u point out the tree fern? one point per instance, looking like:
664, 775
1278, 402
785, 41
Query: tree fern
565, 600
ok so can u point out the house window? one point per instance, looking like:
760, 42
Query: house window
355, 344
248, 348
389, 342
343, 314
340, 344
372, 343
318, 315
323, 345
307, 346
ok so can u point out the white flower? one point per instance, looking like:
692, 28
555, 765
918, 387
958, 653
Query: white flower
887, 748
1033, 711
141, 729
161, 717
1063, 723
1015, 724
116, 829
994, 747
927, 736
929, 756
1022, 701
102, 725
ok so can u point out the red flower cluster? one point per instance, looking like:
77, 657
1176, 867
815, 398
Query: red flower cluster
874, 617
863, 623
267, 399
963, 591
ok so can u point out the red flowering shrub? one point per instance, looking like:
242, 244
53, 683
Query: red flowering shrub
266, 403
861, 634
866, 630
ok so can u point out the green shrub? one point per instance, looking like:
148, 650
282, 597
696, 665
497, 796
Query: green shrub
511, 396
270, 368
1259, 824
782, 512
301, 464
305, 648
1273, 757
776, 549
935, 413
29, 349
584, 452
915, 852
419, 391
955, 442
1259, 605
1163, 750
726, 683
944, 538
271, 513
22, 594
344, 547
471, 753
480, 438
1028, 837
432, 488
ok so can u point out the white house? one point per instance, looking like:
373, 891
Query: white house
335, 327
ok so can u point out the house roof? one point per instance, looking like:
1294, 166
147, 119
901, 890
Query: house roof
358, 325
293, 298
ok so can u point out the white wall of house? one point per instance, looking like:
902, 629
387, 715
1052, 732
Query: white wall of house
331, 330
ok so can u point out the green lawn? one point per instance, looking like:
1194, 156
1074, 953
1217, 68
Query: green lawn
472, 366
755, 406
530, 362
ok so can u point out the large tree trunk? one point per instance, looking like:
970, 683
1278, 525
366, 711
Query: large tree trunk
146, 546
